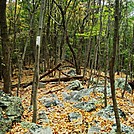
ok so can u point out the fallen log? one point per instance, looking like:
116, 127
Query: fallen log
63, 79
64, 73
50, 71
99, 75
24, 85
51, 91
45, 74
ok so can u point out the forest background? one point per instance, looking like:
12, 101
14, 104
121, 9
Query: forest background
89, 34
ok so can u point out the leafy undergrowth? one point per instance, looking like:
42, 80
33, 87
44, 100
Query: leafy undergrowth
58, 116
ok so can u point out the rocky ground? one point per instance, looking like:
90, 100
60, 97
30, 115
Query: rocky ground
72, 108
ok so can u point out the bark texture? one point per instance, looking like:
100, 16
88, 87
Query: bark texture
6, 48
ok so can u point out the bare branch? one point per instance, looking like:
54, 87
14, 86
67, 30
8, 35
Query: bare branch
55, 20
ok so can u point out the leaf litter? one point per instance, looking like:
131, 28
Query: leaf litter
58, 116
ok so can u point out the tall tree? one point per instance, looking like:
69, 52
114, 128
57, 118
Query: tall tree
37, 58
6, 48
112, 64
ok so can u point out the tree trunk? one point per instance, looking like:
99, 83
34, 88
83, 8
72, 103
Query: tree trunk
112, 65
0, 66
6, 50
14, 25
108, 31
37, 57
64, 24
21, 59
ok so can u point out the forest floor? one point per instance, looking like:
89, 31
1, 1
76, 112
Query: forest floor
58, 116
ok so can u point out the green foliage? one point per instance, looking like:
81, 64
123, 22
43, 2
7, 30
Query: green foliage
82, 21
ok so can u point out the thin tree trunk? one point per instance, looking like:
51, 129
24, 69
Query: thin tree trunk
125, 43
14, 25
21, 59
112, 65
37, 57
131, 56
106, 56
47, 47
125, 85
63, 14
0, 66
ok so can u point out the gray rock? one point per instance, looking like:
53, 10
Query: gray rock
66, 96
75, 85
50, 101
85, 92
71, 72
71, 97
40, 130
87, 106
36, 129
76, 96
53, 83
100, 89
96, 81
125, 129
53, 103
94, 130
5, 125
27, 125
120, 83
76, 117
11, 108
15, 108
43, 117
41, 85
108, 113
47, 130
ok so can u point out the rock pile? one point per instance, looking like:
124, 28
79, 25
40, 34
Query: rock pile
11, 110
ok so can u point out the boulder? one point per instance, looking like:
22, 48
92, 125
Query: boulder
95, 81
11, 110
76, 96
43, 117
5, 125
40, 130
100, 88
72, 97
120, 83
108, 113
75, 85
86, 106
36, 129
49, 101
125, 129
71, 72
94, 130
75, 117
85, 92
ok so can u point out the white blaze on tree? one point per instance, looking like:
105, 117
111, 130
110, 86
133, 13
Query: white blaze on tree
38, 40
